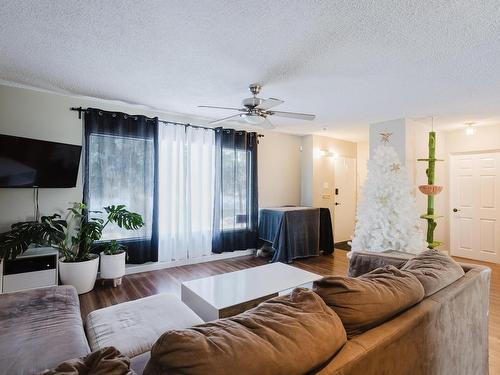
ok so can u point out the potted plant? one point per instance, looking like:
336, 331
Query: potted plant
75, 237
78, 265
113, 261
45, 232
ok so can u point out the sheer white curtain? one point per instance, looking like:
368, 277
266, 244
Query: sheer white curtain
186, 191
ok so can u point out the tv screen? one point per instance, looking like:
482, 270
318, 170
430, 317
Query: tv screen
28, 162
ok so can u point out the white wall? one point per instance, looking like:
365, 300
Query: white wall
318, 172
279, 169
324, 167
402, 139
362, 156
487, 138
306, 198
397, 139
46, 116
43, 116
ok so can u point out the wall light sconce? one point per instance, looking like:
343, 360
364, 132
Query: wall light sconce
470, 129
324, 152
328, 154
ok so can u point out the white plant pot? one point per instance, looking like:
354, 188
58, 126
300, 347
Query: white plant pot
81, 275
112, 266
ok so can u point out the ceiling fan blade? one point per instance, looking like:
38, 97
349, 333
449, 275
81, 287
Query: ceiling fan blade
266, 124
269, 103
300, 116
229, 108
223, 119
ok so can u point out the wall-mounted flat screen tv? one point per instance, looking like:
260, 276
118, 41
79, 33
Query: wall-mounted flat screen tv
28, 163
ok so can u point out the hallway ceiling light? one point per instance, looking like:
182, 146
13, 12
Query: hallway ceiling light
470, 129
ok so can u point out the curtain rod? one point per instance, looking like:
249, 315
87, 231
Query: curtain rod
80, 110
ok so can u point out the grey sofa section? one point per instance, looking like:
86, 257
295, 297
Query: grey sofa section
133, 327
40, 328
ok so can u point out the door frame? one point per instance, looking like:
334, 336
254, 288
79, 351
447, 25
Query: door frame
450, 196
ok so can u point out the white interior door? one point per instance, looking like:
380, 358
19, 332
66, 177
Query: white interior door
474, 206
344, 211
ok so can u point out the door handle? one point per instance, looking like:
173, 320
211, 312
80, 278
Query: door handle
337, 204
456, 210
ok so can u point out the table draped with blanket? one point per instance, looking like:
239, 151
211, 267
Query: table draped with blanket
296, 232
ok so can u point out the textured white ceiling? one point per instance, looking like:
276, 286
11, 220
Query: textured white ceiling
349, 62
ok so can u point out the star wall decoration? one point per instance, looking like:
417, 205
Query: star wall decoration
385, 137
395, 167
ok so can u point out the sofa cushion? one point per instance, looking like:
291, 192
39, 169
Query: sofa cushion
361, 262
133, 327
289, 335
107, 361
40, 328
435, 270
371, 299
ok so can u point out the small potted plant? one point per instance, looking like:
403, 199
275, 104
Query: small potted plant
113, 262
75, 237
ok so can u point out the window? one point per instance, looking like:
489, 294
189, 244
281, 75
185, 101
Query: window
117, 175
234, 189
120, 168
236, 205
186, 179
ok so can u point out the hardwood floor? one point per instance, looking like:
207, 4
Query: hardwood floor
168, 281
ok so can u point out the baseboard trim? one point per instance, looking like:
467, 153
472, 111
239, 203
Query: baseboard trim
154, 266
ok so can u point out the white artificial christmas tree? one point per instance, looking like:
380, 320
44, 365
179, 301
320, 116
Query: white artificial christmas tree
387, 217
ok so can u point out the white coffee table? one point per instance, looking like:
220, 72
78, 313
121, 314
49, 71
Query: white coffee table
231, 293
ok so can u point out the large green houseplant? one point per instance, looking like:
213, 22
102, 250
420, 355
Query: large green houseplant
75, 237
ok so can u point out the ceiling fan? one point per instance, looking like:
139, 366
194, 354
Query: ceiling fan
257, 110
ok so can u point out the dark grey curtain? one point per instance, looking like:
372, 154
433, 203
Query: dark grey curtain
120, 168
236, 193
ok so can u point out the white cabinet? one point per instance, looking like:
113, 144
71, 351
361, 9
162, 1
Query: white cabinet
35, 268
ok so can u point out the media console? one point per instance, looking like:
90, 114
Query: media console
36, 268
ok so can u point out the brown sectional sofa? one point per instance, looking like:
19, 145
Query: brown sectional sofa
446, 333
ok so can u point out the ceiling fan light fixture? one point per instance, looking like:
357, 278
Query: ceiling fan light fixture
252, 118
257, 111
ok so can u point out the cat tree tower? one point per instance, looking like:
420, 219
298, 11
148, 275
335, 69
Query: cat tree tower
431, 190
